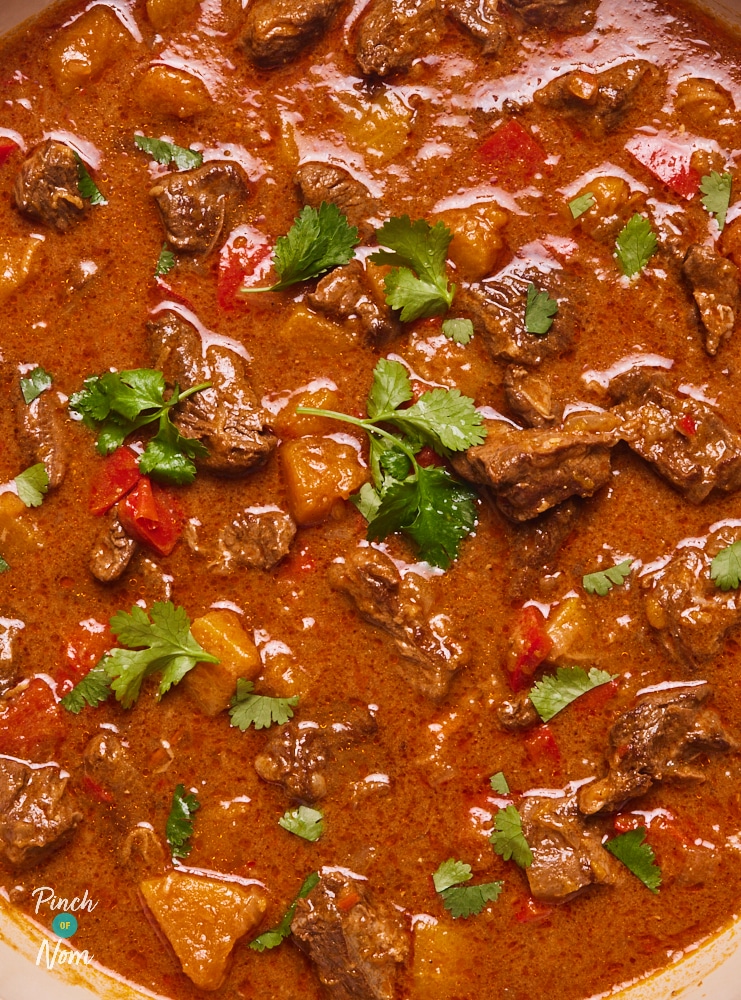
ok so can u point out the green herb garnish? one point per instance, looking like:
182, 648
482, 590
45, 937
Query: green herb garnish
507, 838
87, 186
35, 383
458, 330
725, 568
499, 783
92, 690
179, 828
304, 822
636, 244
540, 310
604, 580
32, 484
459, 900
553, 693
637, 856
581, 204
419, 284
167, 152
716, 195
259, 710
165, 262
275, 936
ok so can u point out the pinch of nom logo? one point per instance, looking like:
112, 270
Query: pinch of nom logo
64, 925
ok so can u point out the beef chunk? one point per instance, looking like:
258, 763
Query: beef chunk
298, 753
323, 182
395, 32
401, 608
46, 187
481, 19
112, 551
714, 283
564, 15
567, 855
355, 948
277, 30
227, 418
9, 629
347, 293
258, 540
536, 543
690, 613
35, 811
684, 439
529, 397
497, 309
199, 207
41, 426
531, 470
655, 741
107, 762
598, 101
518, 713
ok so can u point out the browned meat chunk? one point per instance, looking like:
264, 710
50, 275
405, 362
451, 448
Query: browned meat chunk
657, 740
323, 182
564, 15
298, 753
529, 397
530, 471
227, 418
356, 948
41, 426
715, 288
401, 608
347, 293
535, 545
497, 310
277, 30
46, 187
257, 540
199, 207
394, 32
685, 440
518, 713
112, 551
599, 101
482, 20
683, 603
567, 855
9, 629
35, 811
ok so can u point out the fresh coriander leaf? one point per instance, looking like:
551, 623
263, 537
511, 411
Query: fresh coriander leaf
450, 873
508, 839
87, 187
604, 580
418, 285
367, 501
469, 900
179, 827
275, 936
167, 153
165, 262
164, 645
725, 568
169, 455
391, 387
92, 690
716, 191
458, 330
35, 383
637, 856
259, 710
395, 463
4, 566
499, 783
540, 309
443, 418
578, 206
32, 485
553, 693
435, 510
636, 244
304, 822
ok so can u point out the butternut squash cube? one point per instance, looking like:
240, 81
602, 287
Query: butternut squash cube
211, 685
16, 533
307, 329
203, 919
166, 91
318, 472
18, 259
568, 629
477, 238
441, 961
289, 424
162, 13
87, 47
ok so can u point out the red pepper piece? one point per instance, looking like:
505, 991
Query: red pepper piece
668, 161
7, 148
530, 910
95, 790
513, 153
31, 722
687, 425
245, 256
115, 476
541, 743
82, 651
152, 516
529, 645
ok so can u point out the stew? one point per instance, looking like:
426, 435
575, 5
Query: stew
370, 528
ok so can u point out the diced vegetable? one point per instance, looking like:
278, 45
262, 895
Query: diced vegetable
305, 329
82, 650
18, 259
477, 238
203, 919
116, 475
515, 155
31, 722
7, 148
609, 194
319, 472
289, 424
169, 91
705, 100
441, 957
668, 161
152, 516
567, 629
162, 13
211, 685
529, 645
16, 532
86, 47
245, 260
380, 128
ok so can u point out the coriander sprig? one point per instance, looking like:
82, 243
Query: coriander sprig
418, 284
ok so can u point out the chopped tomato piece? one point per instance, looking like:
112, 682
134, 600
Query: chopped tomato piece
513, 153
298, 562
115, 476
7, 148
31, 722
346, 902
687, 425
596, 699
529, 645
82, 651
95, 790
668, 161
530, 910
244, 260
152, 516
541, 743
